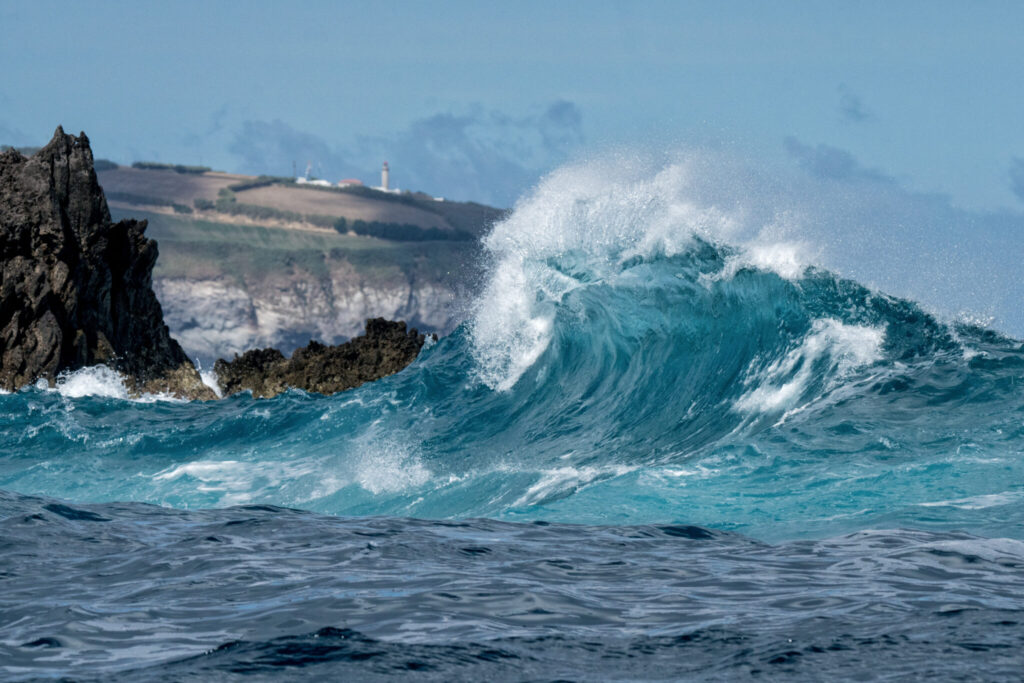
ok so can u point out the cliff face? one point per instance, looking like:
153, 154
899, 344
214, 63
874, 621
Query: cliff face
228, 287
220, 316
76, 287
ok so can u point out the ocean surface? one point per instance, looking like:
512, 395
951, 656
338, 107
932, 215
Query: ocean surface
658, 448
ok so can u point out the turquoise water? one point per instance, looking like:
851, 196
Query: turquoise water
664, 391
645, 439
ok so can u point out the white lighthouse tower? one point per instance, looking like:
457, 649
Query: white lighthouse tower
384, 177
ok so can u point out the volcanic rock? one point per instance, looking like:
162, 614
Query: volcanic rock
383, 350
76, 288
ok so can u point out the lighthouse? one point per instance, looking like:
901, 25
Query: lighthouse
384, 177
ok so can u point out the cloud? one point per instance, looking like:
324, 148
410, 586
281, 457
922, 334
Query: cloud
562, 124
215, 126
479, 155
486, 156
464, 157
832, 163
851, 107
275, 148
1017, 177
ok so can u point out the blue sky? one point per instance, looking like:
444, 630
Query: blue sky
475, 99
896, 130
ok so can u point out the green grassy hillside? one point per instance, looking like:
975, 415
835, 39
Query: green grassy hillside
231, 198
199, 249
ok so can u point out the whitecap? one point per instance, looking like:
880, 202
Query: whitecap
557, 483
389, 466
780, 385
209, 378
980, 502
97, 380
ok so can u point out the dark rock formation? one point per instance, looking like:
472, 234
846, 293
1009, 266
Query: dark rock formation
385, 349
75, 288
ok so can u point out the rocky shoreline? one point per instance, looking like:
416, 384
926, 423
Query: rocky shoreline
76, 291
383, 350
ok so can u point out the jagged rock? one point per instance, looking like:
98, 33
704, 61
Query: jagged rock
76, 288
383, 350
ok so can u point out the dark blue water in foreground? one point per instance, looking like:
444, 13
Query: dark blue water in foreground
639, 458
168, 594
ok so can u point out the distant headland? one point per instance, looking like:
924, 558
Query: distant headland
77, 287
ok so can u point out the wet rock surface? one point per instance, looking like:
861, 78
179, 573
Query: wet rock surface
386, 348
75, 287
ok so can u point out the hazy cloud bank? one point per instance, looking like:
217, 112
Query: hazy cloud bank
480, 155
831, 163
908, 243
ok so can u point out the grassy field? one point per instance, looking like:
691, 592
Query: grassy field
181, 188
200, 249
130, 187
352, 207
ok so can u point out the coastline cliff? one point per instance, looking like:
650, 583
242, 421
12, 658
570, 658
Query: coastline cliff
384, 349
77, 290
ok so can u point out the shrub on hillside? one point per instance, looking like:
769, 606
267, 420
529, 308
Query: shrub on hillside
405, 232
261, 181
177, 168
320, 220
132, 198
227, 203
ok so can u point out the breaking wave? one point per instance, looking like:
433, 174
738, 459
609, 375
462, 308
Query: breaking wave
637, 355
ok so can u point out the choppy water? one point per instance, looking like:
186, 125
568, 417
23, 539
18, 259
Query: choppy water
655, 449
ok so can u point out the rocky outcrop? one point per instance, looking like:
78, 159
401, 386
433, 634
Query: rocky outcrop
385, 349
76, 288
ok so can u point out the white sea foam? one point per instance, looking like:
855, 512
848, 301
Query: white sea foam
237, 482
557, 483
209, 378
511, 329
780, 385
231, 480
96, 380
789, 260
377, 465
978, 502
204, 470
676, 475
389, 466
583, 222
